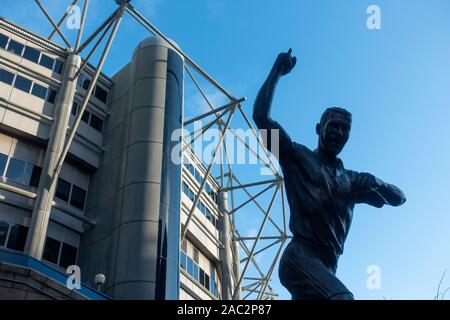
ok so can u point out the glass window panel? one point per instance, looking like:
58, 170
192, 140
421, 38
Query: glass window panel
39, 91
3, 233
58, 66
23, 84
3, 41
195, 274
32, 175
207, 281
202, 277
78, 197
31, 54
74, 110
47, 62
86, 83
51, 250
68, 255
190, 266
96, 123
183, 260
63, 190
3, 159
86, 116
6, 77
15, 170
51, 95
101, 94
15, 47
17, 237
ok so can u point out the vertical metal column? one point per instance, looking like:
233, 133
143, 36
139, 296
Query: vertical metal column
46, 190
226, 253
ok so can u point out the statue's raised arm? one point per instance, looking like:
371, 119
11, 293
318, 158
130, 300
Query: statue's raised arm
283, 65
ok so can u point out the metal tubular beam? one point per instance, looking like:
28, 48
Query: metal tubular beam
215, 111
283, 209
268, 165
254, 184
254, 262
263, 249
61, 21
257, 238
260, 208
272, 267
257, 137
189, 61
202, 130
254, 290
98, 30
88, 96
94, 48
199, 87
83, 21
53, 23
208, 172
252, 198
260, 238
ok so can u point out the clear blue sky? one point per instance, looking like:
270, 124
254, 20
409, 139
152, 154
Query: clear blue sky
395, 81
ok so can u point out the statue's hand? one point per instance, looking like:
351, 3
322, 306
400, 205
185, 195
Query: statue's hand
366, 181
285, 63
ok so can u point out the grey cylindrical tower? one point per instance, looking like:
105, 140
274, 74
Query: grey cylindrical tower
145, 247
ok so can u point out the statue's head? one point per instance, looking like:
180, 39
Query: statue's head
334, 130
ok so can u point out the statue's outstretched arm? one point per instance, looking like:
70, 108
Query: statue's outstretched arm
261, 108
373, 191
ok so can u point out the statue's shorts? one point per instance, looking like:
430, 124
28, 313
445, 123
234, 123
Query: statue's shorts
309, 273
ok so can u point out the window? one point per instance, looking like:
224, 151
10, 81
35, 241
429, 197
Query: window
32, 175
6, 77
202, 277
63, 190
183, 259
4, 227
39, 91
101, 94
47, 62
51, 250
190, 266
17, 237
78, 197
74, 109
96, 123
3, 41
3, 160
58, 66
68, 255
23, 84
31, 54
83, 81
15, 47
15, 170
207, 281
85, 117
51, 96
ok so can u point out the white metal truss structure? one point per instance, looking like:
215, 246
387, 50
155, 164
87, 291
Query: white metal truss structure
260, 201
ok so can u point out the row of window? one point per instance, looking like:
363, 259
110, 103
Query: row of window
71, 193
19, 171
31, 54
28, 86
100, 93
14, 236
59, 253
200, 275
88, 117
199, 178
203, 209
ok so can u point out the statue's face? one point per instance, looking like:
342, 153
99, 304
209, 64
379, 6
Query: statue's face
334, 133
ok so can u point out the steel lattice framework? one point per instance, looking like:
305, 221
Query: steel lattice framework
251, 279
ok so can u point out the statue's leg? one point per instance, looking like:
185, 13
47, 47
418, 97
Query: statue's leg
307, 278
